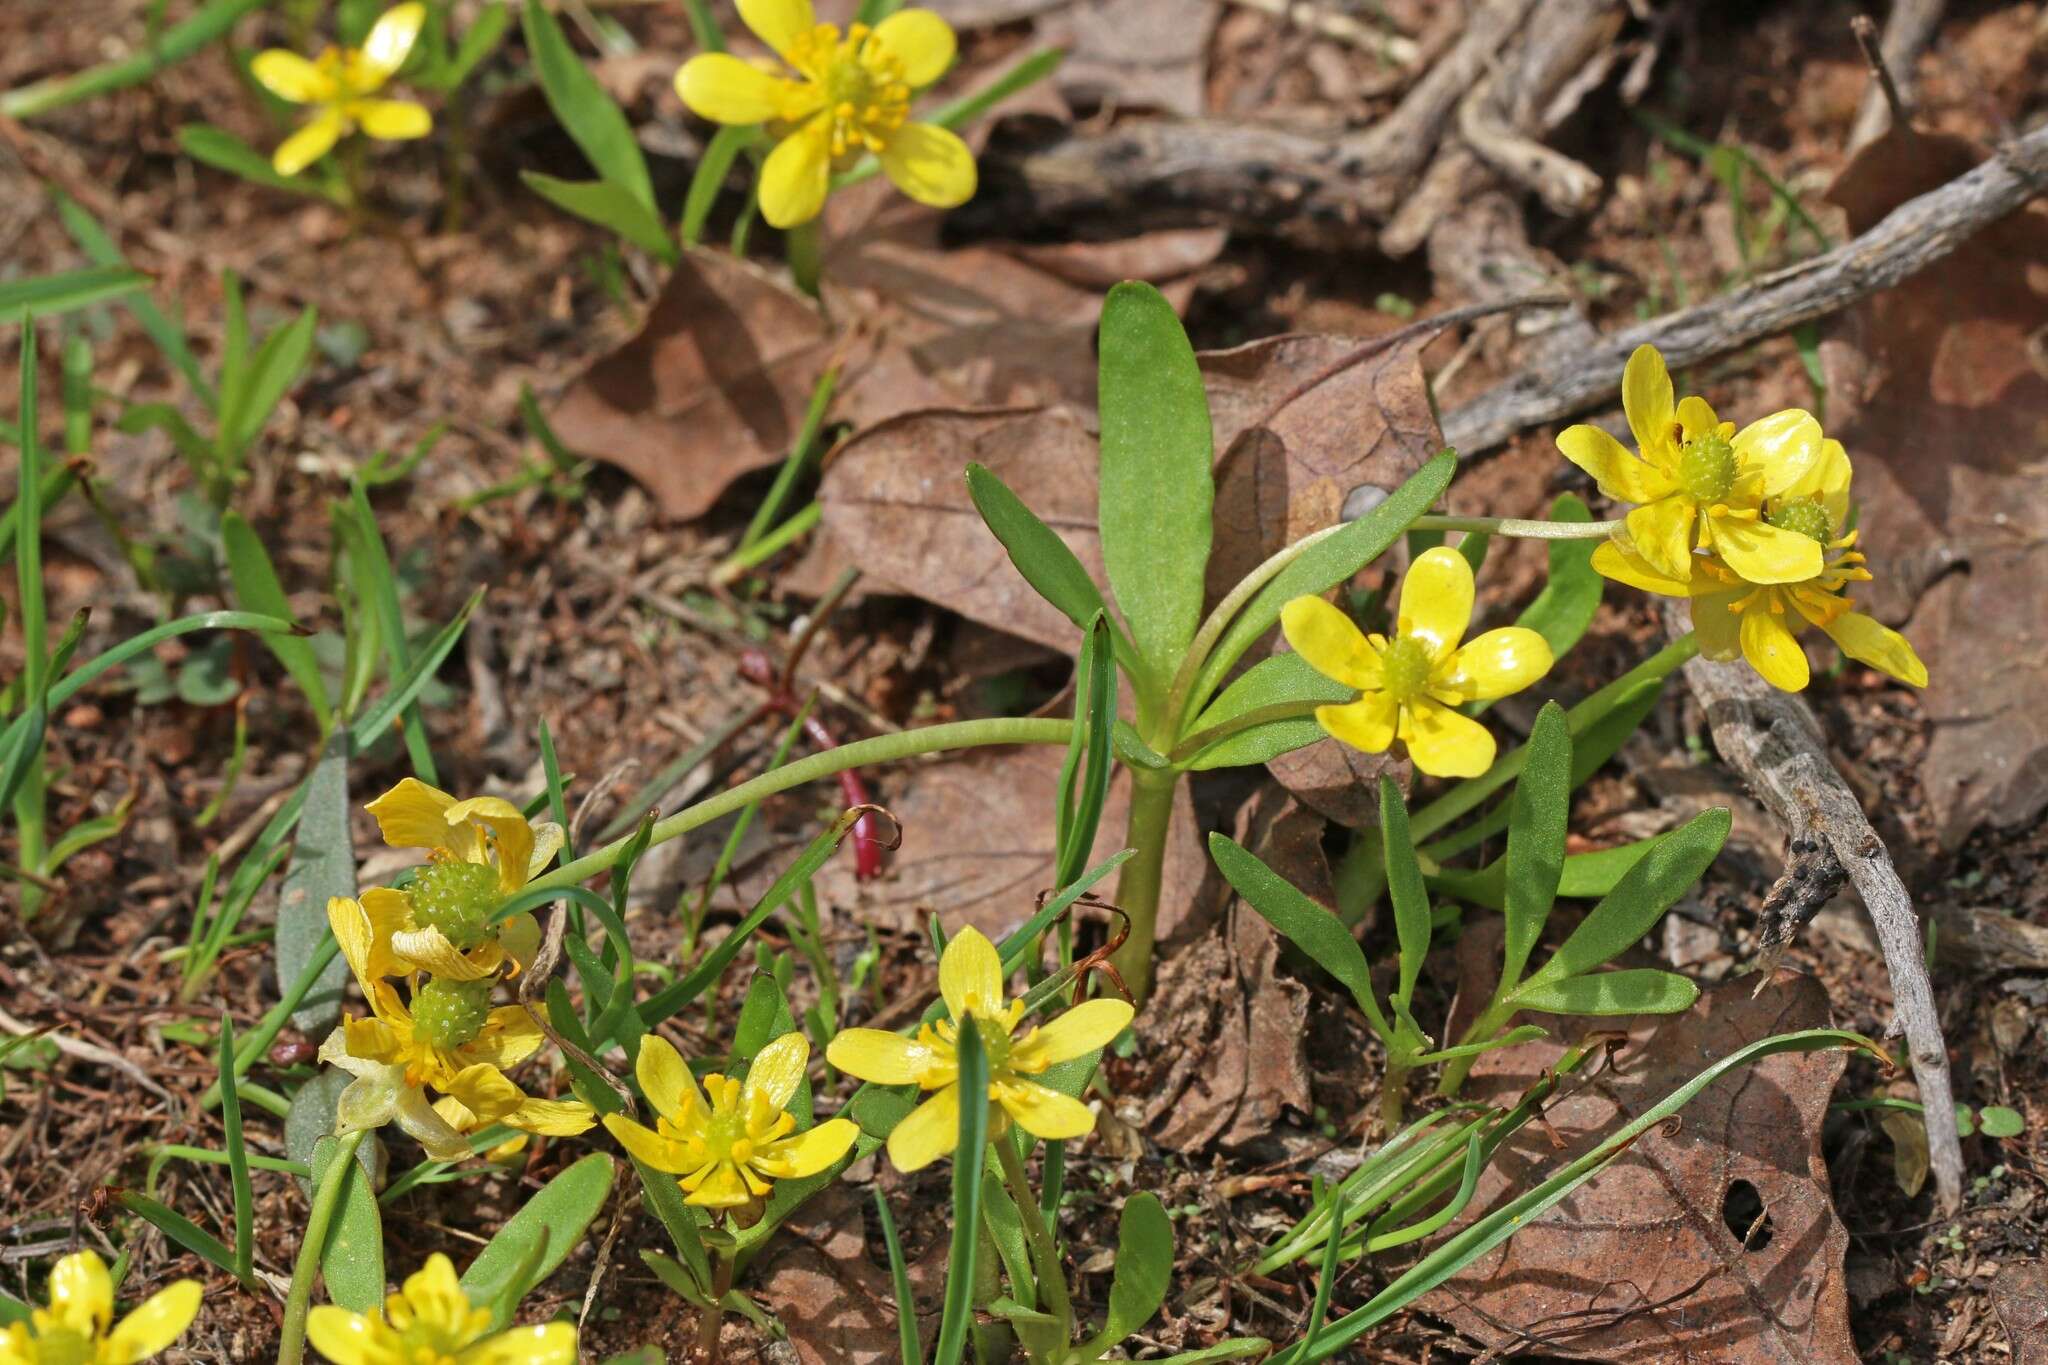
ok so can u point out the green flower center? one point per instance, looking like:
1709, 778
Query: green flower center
1706, 467
1804, 515
457, 898
866, 96
446, 1014
60, 1346
1405, 669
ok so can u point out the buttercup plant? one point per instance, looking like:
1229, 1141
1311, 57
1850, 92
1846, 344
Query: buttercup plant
342, 86
78, 1326
431, 1321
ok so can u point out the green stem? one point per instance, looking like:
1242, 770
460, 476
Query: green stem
291, 1348
1393, 1094
714, 1313
1226, 611
769, 545
965, 734
1485, 1026
1045, 1252
1516, 527
1137, 892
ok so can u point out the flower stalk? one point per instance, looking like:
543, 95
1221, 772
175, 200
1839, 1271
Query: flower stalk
1045, 1252
291, 1346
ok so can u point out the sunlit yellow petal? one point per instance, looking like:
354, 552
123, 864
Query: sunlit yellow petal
1696, 418
664, 1154
1494, 664
309, 144
796, 175
722, 1188
511, 835
414, 815
82, 1293
1718, 625
1042, 1111
390, 42
971, 974
808, 1152
391, 120
720, 87
1618, 560
1329, 642
508, 1038
666, 1080
343, 1337
1772, 650
927, 1132
389, 914
1618, 472
428, 950
1436, 600
1662, 534
777, 1070
291, 77
485, 1091
1646, 398
778, 23
1785, 446
1367, 724
1884, 649
921, 40
930, 164
154, 1324
1444, 743
1090, 1025
552, 1343
373, 1040
871, 1054
354, 936
553, 1118
1762, 553
1827, 483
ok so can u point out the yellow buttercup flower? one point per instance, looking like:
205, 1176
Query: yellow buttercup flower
1699, 481
730, 1139
449, 1038
850, 96
78, 1327
1735, 618
430, 1321
1410, 686
480, 851
971, 981
341, 81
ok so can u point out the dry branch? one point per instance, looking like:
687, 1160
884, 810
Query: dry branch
1912, 237
1908, 29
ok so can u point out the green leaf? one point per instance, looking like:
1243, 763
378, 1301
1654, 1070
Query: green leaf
1327, 563
352, 1263
1144, 1267
1537, 818
248, 397
479, 41
1634, 990
169, 337
1997, 1121
178, 1228
207, 676
42, 296
504, 1272
1236, 1348
1591, 875
958, 1314
586, 111
223, 151
608, 205
1041, 556
195, 449
1084, 776
1571, 595
911, 1350
311, 1118
1280, 685
258, 589
13, 1310
1405, 889
1320, 935
323, 866
238, 1155
1155, 487
1639, 900
406, 688
709, 178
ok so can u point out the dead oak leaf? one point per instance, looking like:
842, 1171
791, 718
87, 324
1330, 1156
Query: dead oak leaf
838, 1306
2019, 1295
1712, 1239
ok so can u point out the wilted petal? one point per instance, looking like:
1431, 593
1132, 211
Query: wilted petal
511, 834
509, 1037
1718, 624
1884, 649
428, 950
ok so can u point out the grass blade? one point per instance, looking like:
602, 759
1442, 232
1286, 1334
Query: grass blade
238, 1158
958, 1315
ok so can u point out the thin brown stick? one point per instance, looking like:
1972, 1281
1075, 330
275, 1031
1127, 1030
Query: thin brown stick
1908, 30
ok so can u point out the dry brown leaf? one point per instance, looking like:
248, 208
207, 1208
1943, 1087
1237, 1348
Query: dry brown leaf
2019, 1295
838, 1306
1640, 1263
1940, 390
1150, 54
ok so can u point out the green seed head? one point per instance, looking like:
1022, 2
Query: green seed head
1406, 667
456, 898
1706, 467
447, 1014
1804, 515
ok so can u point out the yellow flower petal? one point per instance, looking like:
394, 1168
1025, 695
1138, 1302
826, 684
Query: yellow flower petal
1772, 650
871, 1054
508, 1038
720, 87
1367, 724
1618, 472
291, 77
1436, 600
484, 1091
1444, 743
1090, 1025
553, 1118
1828, 483
930, 164
777, 1070
1618, 560
435, 1296
666, 1080
418, 1120
155, 1323
663, 1154
1785, 446
927, 1132
1495, 664
552, 1343
388, 45
1662, 534
1884, 649
356, 938
82, 1293
723, 1187
389, 914
520, 938
1762, 553
1646, 398
1696, 418
414, 815
809, 1152
512, 835
372, 1039
1330, 643
797, 175
778, 23
971, 975
343, 1337
391, 120
921, 40
1719, 625
428, 950
309, 144
1042, 1111
548, 840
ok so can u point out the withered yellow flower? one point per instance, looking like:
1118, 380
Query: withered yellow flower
971, 981
341, 83
78, 1327
850, 95
430, 1321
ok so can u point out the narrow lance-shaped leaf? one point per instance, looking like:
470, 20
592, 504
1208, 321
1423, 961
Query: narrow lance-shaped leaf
1308, 926
323, 866
958, 1313
1144, 1265
1045, 560
1404, 888
559, 1211
586, 111
1634, 990
1536, 833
